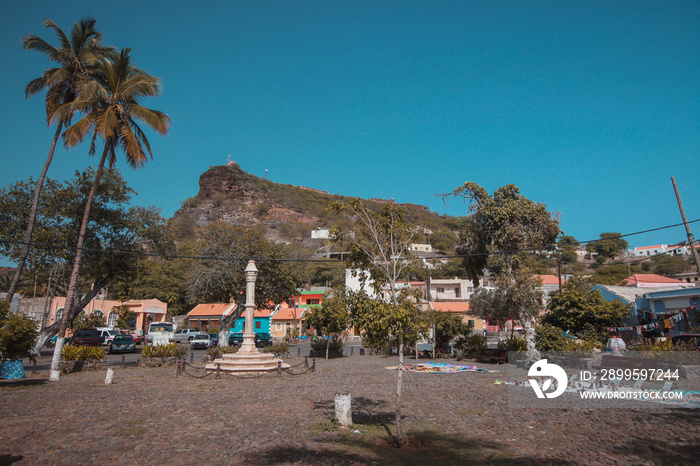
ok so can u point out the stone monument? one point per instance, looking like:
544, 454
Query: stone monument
248, 360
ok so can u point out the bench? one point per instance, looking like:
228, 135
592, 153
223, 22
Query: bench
489, 354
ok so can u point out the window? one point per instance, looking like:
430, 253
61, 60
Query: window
440, 289
112, 319
457, 292
257, 324
313, 301
471, 323
278, 326
59, 314
98, 313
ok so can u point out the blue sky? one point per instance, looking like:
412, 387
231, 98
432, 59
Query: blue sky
588, 106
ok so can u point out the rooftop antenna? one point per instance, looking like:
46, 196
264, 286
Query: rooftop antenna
229, 161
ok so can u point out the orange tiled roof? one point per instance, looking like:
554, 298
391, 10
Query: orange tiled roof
218, 309
450, 306
638, 278
550, 279
214, 309
287, 313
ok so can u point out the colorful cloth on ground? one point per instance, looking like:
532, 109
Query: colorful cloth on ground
439, 367
12, 369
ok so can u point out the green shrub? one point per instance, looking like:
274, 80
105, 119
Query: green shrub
468, 346
660, 346
550, 338
215, 352
277, 348
83, 353
17, 333
512, 343
164, 351
319, 344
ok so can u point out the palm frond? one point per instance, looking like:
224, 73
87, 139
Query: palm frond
65, 43
158, 121
142, 137
131, 146
34, 87
76, 133
32, 42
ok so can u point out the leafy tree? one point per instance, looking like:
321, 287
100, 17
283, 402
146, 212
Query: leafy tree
567, 249
491, 305
609, 245
220, 276
109, 101
385, 324
508, 224
17, 333
379, 243
614, 274
332, 317
84, 321
447, 326
582, 283
76, 56
114, 225
667, 265
584, 313
160, 277
450, 269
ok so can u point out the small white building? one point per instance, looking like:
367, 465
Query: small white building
417, 247
320, 234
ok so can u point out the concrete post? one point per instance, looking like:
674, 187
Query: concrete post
343, 410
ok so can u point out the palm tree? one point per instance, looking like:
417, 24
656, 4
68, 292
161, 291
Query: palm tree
76, 56
108, 101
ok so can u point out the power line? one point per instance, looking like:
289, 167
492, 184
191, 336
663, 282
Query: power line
190, 257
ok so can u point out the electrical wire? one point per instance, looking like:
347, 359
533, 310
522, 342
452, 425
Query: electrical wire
203, 258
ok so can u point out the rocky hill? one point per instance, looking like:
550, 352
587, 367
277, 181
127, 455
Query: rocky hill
284, 213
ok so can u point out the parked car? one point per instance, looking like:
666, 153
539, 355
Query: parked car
235, 339
214, 337
135, 336
122, 344
52, 341
688, 338
186, 335
201, 341
107, 335
86, 337
263, 339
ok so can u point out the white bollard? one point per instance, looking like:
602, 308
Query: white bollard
343, 410
110, 376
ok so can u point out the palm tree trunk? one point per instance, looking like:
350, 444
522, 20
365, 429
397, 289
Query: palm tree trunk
32, 216
73, 285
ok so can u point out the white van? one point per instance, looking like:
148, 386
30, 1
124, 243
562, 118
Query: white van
160, 333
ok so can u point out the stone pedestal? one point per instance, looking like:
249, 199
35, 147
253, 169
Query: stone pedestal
247, 363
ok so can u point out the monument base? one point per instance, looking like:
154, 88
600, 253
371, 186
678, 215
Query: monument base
247, 363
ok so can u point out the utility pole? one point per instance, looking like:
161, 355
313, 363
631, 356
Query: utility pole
691, 241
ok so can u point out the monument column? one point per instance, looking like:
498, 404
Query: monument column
251, 274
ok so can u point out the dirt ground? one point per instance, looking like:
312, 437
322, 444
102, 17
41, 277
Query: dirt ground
152, 416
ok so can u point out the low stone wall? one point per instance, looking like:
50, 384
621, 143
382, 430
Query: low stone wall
157, 362
68, 367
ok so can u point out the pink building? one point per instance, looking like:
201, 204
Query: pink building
146, 310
